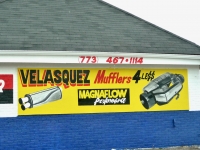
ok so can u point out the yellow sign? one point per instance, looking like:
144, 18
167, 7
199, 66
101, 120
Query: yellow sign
70, 91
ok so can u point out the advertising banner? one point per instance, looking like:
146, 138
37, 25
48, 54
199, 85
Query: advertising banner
89, 90
6, 89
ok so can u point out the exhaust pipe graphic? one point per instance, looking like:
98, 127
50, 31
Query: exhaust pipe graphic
162, 90
41, 97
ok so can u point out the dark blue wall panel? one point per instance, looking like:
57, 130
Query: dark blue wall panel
101, 131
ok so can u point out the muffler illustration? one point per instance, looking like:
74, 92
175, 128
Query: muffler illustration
162, 90
40, 97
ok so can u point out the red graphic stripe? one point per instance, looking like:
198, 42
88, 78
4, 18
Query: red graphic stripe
8, 80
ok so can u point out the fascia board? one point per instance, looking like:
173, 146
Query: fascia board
19, 56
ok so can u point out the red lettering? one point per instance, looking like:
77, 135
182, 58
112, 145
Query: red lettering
99, 76
113, 77
129, 80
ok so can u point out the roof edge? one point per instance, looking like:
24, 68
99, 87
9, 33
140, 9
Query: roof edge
190, 42
89, 53
100, 58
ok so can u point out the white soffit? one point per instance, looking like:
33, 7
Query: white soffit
81, 57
